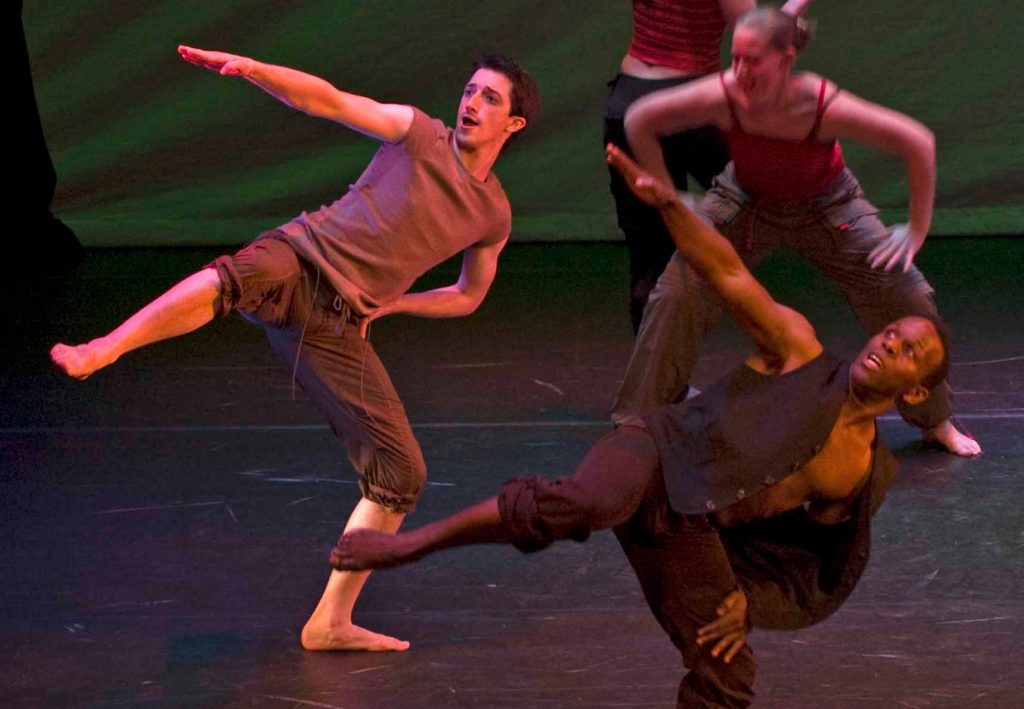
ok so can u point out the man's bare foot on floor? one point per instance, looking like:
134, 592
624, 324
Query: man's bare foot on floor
318, 636
946, 435
362, 549
82, 360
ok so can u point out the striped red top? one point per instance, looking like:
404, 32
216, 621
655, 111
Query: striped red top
679, 34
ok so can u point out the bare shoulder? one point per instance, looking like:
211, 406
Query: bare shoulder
807, 86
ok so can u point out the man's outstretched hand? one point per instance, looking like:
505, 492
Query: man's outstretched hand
644, 186
221, 62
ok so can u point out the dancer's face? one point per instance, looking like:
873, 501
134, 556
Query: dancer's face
484, 112
894, 361
760, 69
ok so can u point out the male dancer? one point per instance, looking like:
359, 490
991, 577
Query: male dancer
767, 481
315, 283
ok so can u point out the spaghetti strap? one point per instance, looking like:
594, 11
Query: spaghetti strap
822, 106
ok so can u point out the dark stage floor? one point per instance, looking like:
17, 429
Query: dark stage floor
166, 523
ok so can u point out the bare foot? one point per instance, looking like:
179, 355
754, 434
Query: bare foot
946, 435
81, 361
317, 636
362, 549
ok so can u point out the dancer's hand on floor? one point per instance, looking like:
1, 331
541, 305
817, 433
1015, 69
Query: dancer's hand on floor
730, 630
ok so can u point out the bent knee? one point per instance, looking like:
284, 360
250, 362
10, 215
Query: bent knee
394, 480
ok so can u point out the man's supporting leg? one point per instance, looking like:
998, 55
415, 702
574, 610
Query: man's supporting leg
345, 379
185, 307
330, 627
684, 574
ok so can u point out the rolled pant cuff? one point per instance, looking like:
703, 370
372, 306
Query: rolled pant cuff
391, 501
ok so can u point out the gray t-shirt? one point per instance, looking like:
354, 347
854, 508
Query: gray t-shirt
414, 206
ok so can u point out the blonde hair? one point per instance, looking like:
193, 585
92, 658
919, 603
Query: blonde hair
783, 30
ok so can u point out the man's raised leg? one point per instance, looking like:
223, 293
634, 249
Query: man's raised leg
185, 307
330, 627
530, 513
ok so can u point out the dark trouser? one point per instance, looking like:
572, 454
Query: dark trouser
679, 560
702, 153
835, 231
316, 335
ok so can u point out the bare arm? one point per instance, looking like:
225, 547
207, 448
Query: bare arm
662, 113
796, 7
309, 94
479, 266
892, 132
732, 10
783, 336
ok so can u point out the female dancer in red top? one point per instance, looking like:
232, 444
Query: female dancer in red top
787, 186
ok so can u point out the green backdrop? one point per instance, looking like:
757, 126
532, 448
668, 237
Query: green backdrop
151, 150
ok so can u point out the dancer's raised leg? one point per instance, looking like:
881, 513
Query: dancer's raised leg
185, 307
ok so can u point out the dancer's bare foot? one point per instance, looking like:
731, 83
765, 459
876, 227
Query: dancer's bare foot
946, 435
319, 635
82, 360
361, 549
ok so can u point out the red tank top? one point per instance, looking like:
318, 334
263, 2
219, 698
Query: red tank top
777, 170
679, 34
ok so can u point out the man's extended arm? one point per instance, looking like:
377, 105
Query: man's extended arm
479, 266
782, 335
386, 122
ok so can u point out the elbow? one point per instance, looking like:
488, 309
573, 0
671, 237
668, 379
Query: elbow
926, 140
472, 304
918, 146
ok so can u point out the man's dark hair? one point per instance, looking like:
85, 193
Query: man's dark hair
941, 370
524, 98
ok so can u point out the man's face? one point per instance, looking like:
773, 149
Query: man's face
484, 111
895, 360
759, 68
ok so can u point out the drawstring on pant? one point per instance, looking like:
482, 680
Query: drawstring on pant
302, 335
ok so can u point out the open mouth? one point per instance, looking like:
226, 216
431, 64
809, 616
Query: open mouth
468, 121
873, 361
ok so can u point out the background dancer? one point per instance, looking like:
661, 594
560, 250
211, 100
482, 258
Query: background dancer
674, 42
787, 185
316, 283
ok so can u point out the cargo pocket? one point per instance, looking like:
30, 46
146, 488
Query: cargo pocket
718, 207
854, 225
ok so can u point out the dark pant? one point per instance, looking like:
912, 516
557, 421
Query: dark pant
679, 560
702, 153
316, 336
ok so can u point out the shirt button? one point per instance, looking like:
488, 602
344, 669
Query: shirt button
741, 493
709, 505
769, 480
